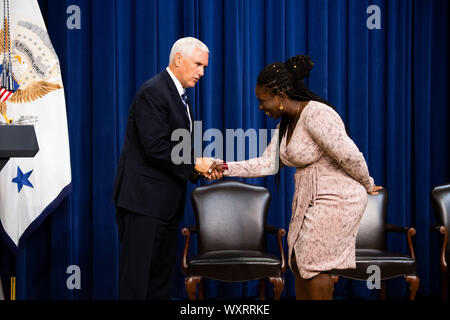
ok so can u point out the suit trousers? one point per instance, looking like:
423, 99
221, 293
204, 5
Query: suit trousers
147, 257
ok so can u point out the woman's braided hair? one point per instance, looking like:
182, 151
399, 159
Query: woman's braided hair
288, 78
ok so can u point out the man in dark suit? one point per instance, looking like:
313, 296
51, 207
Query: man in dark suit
150, 188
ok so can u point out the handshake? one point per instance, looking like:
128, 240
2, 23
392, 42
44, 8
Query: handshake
209, 168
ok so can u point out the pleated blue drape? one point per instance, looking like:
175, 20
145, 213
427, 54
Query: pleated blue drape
389, 85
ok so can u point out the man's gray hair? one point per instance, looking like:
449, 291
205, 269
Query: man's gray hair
185, 46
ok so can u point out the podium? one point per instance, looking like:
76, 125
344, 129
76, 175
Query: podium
16, 142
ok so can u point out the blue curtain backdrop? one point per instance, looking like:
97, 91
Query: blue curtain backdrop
390, 86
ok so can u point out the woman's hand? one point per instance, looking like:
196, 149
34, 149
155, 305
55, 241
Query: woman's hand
375, 190
214, 175
218, 165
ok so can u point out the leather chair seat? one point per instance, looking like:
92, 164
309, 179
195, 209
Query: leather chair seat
235, 265
391, 265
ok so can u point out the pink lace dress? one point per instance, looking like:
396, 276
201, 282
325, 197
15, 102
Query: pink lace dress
331, 185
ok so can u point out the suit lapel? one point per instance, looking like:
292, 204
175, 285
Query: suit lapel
177, 99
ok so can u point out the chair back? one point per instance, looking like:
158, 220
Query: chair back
440, 200
372, 229
230, 215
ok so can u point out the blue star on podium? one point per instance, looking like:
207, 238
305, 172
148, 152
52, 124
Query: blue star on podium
22, 179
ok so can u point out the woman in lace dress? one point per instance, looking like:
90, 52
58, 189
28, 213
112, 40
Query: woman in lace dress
331, 180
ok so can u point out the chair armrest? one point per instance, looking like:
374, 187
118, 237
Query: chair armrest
396, 228
435, 228
191, 229
271, 229
187, 233
410, 231
443, 230
280, 233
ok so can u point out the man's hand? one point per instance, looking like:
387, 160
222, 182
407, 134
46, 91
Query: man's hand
204, 165
216, 171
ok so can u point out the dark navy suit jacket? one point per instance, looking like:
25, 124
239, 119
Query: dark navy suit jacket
147, 181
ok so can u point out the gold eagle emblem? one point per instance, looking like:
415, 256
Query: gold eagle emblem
27, 92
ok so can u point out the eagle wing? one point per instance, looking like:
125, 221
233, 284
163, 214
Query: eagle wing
33, 91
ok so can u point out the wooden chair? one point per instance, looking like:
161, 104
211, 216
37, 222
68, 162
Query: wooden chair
440, 200
231, 229
371, 249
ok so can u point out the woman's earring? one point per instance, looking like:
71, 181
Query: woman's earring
281, 106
